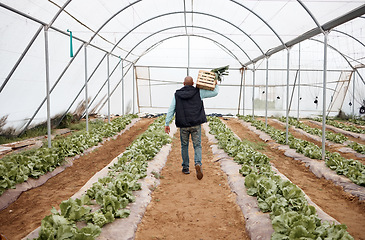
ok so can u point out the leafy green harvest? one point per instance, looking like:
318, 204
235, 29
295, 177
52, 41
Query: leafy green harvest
220, 72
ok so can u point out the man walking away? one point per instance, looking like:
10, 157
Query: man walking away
190, 114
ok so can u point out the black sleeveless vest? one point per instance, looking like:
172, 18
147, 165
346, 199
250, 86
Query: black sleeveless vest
189, 107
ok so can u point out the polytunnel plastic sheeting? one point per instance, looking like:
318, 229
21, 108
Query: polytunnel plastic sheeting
176, 35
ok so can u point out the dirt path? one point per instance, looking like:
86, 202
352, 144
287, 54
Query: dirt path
182, 207
332, 148
331, 198
25, 214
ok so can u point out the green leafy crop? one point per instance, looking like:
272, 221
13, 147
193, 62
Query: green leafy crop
291, 216
111, 193
17, 168
352, 169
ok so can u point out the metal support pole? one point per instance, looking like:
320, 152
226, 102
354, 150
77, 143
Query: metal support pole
287, 97
122, 88
188, 73
137, 92
80, 91
299, 84
353, 95
240, 95
107, 61
266, 89
244, 92
253, 92
86, 94
134, 85
47, 86
324, 95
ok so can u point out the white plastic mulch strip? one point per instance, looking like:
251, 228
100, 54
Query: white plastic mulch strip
125, 228
11, 195
318, 167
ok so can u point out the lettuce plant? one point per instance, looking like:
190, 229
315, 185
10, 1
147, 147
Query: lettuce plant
111, 193
352, 169
17, 168
291, 215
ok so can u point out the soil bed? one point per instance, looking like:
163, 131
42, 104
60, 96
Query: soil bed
182, 207
26, 213
342, 206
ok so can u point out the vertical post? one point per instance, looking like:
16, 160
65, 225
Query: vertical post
240, 95
325, 35
188, 70
107, 63
86, 93
353, 94
244, 91
299, 84
122, 88
47, 86
137, 92
134, 86
266, 89
287, 97
253, 92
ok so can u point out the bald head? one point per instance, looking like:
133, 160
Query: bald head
188, 81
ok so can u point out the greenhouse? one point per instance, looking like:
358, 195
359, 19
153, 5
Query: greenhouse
85, 93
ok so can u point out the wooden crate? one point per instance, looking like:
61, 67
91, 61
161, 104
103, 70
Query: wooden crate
205, 80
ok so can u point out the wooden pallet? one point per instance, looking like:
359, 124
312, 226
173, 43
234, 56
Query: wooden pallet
205, 80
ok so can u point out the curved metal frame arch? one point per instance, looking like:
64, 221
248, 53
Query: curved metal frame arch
162, 40
183, 26
348, 35
342, 55
311, 15
258, 16
323, 27
184, 35
131, 4
182, 12
115, 14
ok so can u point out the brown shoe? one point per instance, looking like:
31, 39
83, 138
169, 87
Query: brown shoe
199, 172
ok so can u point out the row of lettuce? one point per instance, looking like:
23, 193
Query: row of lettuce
17, 168
352, 169
357, 121
291, 216
110, 195
346, 127
334, 137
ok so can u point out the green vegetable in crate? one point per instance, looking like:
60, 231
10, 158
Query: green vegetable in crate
220, 72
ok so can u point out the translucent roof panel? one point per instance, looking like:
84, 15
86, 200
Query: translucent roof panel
169, 35
44, 11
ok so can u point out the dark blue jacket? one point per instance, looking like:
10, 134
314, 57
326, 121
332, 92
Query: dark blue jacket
189, 107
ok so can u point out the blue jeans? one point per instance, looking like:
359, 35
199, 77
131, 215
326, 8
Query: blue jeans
196, 134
